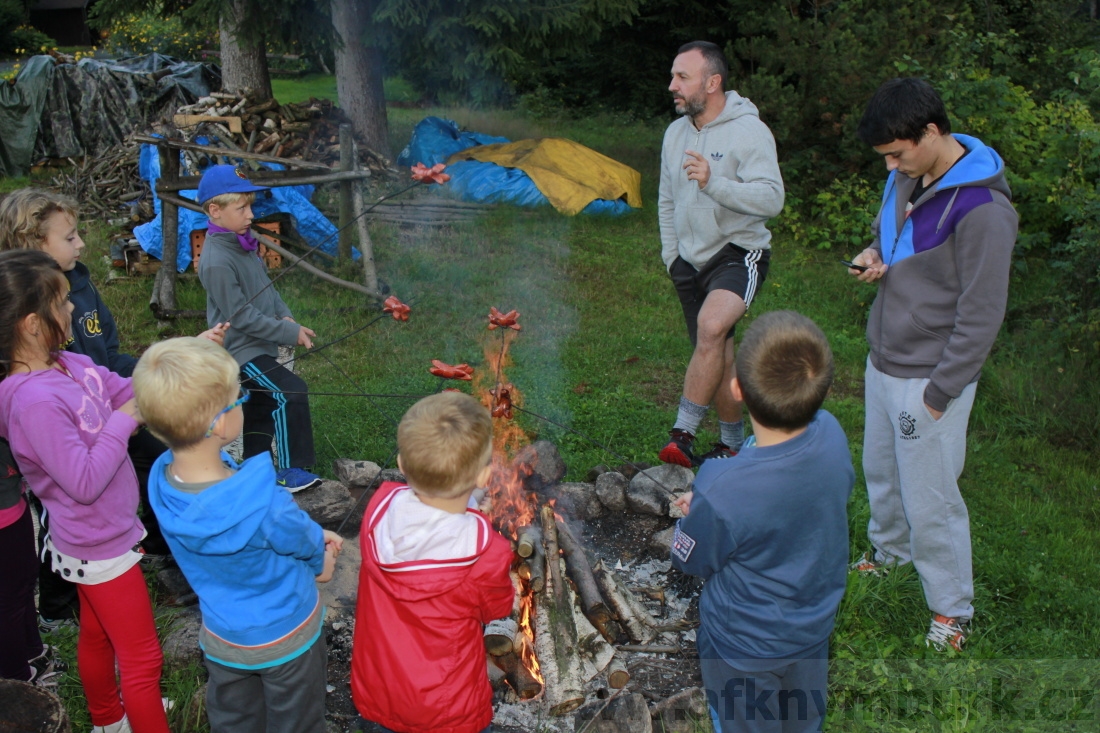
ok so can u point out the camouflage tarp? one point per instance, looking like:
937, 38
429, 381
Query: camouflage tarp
88, 107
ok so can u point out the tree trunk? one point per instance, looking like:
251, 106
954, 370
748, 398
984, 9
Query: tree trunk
244, 61
359, 75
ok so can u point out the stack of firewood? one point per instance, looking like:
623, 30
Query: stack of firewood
108, 186
308, 130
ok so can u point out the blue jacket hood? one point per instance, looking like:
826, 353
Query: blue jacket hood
247, 549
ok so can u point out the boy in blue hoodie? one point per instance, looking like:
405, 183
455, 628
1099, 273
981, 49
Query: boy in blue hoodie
250, 554
768, 530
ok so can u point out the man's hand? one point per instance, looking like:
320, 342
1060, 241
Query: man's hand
683, 502
305, 336
697, 167
870, 259
216, 334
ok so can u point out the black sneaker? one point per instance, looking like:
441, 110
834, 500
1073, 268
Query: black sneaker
678, 450
46, 668
719, 450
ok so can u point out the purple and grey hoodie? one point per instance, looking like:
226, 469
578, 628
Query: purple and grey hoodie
942, 300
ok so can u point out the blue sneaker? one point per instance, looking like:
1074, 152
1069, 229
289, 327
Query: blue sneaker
297, 479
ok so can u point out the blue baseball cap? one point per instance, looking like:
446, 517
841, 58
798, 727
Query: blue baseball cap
219, 179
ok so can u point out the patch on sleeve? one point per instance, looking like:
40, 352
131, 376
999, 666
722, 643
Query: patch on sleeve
682, 544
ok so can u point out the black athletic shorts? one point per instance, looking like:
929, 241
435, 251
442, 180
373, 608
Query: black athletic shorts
741, 271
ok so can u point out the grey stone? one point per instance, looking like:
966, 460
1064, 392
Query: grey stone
173, 586
630, 470
623, 714
181, 644
661, 542
327, 504
651, 491
683, 712
668, 477
611, 490
31, 708
578, 500
546, 464
595, 472
357, 474
392, 474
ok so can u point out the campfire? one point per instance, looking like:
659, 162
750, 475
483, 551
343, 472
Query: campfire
568, 610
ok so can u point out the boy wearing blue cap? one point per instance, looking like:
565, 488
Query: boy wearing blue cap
237, 285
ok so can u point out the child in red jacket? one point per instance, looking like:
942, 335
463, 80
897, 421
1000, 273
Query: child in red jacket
434, 572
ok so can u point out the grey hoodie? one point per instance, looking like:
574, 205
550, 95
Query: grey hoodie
942, 300
232, 277
744, 191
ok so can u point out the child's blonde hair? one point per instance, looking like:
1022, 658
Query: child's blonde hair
227, 199
180, 386
444, 441
25, 213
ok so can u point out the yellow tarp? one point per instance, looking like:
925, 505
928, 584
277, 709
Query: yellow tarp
570, 175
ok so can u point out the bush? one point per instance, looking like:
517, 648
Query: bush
17, 39
152, 32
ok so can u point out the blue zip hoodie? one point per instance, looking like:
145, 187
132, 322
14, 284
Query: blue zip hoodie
248, 551
94, 332
942, 300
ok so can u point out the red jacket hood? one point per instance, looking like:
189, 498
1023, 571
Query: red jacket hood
418, 660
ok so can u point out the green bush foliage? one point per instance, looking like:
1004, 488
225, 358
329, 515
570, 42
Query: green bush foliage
152, 32
17, 38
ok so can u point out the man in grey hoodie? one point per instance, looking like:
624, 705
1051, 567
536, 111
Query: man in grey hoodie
720, 183
943, 241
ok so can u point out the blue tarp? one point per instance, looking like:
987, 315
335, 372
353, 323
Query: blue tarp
309, 222
435, 140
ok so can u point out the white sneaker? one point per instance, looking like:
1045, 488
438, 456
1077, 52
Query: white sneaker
123, 726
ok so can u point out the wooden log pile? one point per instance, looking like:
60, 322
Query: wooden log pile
307, 130
581, 611
108, 186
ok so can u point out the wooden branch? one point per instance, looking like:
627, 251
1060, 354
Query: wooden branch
633, 615
651, 648
617, 674
533, 569
267, 178
556, 644
528, 537
194, 120
299, 262
580, 572
518, 677
550, 544
182, 145
500, 636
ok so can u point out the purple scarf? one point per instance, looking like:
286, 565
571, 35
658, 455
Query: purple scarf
248, 241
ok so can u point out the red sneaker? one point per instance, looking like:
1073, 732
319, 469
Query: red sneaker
678, 450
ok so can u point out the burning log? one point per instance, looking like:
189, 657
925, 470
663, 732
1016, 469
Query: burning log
580, 572
516, 674
633, 615
555, 642
528, 538
533, 569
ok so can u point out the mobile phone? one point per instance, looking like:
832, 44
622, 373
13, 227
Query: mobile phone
853, 265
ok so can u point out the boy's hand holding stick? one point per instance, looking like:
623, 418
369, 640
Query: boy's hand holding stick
683, 502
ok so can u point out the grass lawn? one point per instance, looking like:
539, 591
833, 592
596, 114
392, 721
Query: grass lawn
599, 365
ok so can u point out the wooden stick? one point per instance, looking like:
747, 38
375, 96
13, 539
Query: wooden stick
182, 145
550, 544
518, 677
366, 246
528, 537
555, 641
634, 616
267, 178
617, 674
651, 648
580, 572
500, 636
533, 569
299, 262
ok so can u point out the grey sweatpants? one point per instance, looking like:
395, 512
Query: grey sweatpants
288, 698
912, 464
